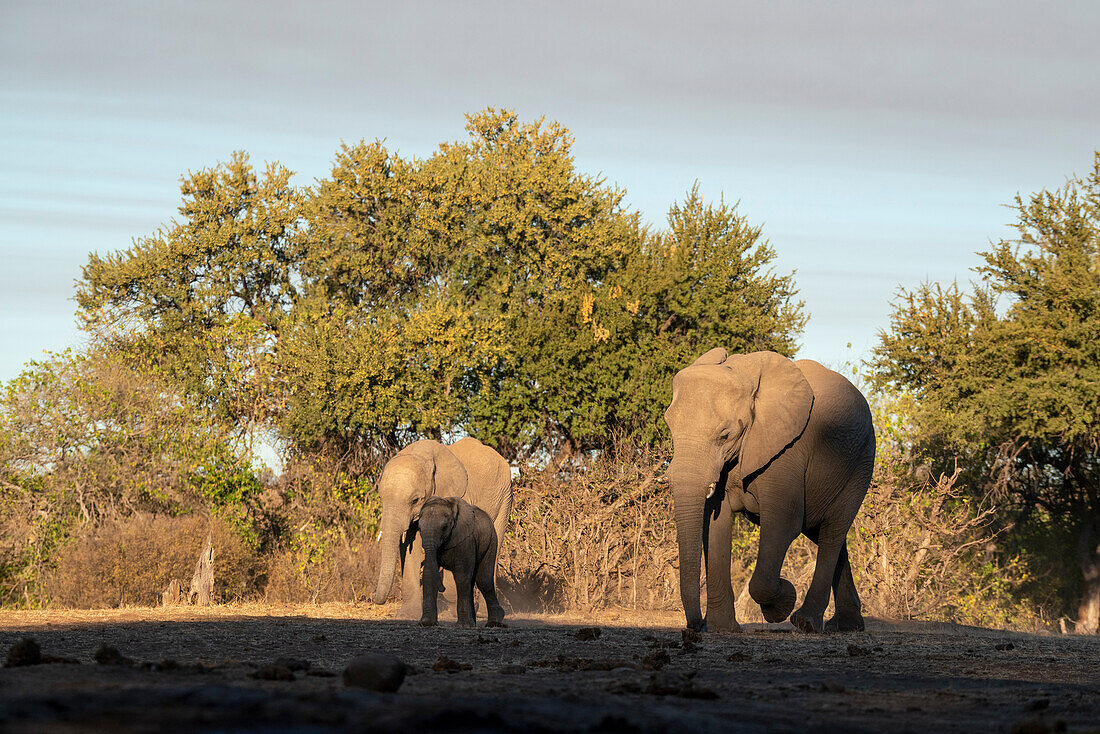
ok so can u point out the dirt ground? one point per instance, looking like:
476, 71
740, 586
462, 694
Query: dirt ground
195, 670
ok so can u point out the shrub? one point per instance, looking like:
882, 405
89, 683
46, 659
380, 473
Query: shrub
603, 535
600, 536
344, 573
131, 561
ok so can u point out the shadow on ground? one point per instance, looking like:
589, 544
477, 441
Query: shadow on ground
541, 674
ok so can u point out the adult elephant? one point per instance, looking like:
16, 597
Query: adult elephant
467, 469
791, 446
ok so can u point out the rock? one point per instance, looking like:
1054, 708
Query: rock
857, 651
446, 665
513, 670
1004, 646
24, 652
376, 671
739, 657
107, 655
1038, 726
292, 664
656, 660
586, 634
273, 672
678, 684
689, 640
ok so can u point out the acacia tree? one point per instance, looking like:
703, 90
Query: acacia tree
1007, 378
204, 298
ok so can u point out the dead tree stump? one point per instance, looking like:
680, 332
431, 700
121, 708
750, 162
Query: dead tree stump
202, 583
173, 595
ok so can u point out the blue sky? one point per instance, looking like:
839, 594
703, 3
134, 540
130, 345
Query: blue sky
876, 142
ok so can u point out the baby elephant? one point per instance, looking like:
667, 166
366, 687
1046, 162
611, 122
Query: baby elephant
460, 538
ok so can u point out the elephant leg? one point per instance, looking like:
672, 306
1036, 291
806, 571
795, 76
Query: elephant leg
464, 582
448, 593
486, 584
718, 528
830, 542
780, 524
848, 616
411, 593
500, 523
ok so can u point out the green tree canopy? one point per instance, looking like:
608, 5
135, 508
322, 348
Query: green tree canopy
1008, 377
490, 289
204, 298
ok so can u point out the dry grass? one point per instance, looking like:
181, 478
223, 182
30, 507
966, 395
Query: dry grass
131, 561
345, 573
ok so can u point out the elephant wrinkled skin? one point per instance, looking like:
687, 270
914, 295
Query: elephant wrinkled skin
791, 446
460, 538
468, 469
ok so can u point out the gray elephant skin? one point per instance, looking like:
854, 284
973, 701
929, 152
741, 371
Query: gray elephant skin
460, 538
791, 446
467, 469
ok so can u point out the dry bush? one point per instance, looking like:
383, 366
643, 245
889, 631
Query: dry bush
325, 514
604, 536
345, 573
601, 536
132, 560
919, 550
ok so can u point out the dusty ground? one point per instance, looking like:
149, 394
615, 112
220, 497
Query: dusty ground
534, 676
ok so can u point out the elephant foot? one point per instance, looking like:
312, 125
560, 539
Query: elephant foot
721, 623
427, 622
850, 622
806, 621
495, 623
779, 609
468, 623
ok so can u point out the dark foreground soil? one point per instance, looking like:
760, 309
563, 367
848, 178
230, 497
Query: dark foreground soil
196, 671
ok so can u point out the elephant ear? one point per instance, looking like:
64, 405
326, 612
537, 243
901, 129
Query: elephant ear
714, 356
449, 478
781, 408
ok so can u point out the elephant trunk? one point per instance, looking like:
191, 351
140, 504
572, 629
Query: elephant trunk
432, 581
690, 489
689, 499
392, 529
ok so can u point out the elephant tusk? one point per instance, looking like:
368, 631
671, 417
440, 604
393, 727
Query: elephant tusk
710, 490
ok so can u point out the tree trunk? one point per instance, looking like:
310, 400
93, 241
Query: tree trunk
202, 582
173, 595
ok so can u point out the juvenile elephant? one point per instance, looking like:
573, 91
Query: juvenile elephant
467, 469
791, 446
460, 538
